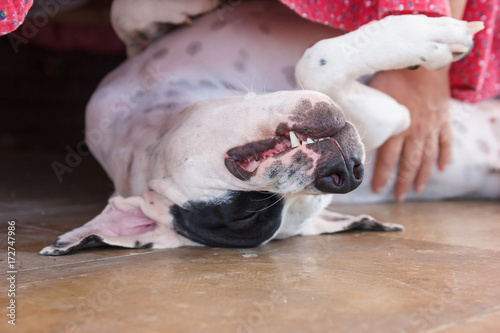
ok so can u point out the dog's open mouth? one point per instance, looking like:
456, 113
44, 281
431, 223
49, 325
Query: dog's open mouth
242, 161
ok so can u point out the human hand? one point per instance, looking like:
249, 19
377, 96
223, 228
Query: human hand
428, 139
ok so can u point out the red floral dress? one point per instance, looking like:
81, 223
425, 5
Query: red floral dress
472, 79
12, 14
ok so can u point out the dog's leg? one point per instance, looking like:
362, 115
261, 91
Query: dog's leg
139, 23
134, 222
331, 222
332, 66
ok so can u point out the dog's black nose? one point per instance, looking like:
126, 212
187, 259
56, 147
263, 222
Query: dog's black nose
340, 176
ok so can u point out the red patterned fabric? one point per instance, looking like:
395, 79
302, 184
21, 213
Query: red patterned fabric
12, 14
472, 79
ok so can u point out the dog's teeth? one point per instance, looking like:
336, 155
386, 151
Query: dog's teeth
294, 140
303, 143
309, 140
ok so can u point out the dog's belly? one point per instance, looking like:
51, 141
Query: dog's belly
252, 48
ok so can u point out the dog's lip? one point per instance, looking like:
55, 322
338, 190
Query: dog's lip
305, 132
243, 161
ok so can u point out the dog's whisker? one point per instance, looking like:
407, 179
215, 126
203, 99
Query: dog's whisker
244, 86
370, 149
264, 199
251, 83
300, 84
267, 207
368, 162
236, 168
362, 136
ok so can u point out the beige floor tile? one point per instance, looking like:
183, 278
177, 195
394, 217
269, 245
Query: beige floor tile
485, 323
466, 223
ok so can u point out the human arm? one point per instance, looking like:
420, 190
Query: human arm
429, 138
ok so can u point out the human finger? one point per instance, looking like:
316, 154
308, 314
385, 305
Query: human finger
387, 158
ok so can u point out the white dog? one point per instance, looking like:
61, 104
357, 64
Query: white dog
197, 160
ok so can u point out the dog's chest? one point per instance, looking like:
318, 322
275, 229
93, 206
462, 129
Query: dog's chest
298, 210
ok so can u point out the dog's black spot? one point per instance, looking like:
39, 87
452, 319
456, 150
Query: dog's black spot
207, 84
274, 170
160, 53
138, 95
183, 84
194, 48
151, 202
244, 219
162, 106
264, 29
171, 93
423, 59
138, 245
142, 35
301, 158
322, 62
295, 172
58, 244
239, 66
170, 106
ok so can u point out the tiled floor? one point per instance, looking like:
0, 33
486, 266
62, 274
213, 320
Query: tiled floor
440, 275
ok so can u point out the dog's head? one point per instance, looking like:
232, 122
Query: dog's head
284, 142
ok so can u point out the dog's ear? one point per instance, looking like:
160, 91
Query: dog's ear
133, 222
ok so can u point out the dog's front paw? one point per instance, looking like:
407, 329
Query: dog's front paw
448, 40
461, 50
